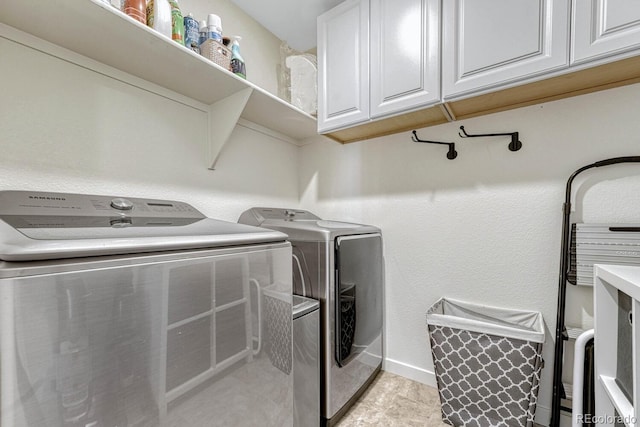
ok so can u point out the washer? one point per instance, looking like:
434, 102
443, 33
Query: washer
122, 311
340, 264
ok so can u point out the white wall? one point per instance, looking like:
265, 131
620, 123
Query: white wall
486, 226
66, 128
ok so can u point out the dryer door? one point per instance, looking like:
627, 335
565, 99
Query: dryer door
359, 282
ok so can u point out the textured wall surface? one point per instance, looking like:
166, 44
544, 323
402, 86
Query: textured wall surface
66, 128
486, 226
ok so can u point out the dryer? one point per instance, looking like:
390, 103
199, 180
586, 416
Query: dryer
341, 265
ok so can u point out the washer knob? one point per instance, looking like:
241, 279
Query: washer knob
121, 204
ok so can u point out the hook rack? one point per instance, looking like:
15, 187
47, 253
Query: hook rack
451, 154
514, 145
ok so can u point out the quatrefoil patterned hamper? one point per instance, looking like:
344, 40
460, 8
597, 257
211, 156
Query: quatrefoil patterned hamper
487, 363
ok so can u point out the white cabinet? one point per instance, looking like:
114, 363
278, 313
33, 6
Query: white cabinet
491, 44
603, 28
433, 61
405, 46
394, 71
343, 59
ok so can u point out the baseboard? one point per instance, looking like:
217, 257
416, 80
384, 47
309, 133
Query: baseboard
370, 359
543, 414
408, 371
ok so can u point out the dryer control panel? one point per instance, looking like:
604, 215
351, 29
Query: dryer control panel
257, 216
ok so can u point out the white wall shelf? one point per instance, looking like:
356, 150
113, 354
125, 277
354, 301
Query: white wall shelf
100, 32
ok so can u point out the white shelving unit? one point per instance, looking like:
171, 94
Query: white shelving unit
104, 34
617, 340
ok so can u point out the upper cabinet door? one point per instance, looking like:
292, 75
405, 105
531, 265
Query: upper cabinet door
405, 55
343, 65
494, 43
603, 28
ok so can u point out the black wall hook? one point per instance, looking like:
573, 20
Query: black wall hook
451, 154
514, 145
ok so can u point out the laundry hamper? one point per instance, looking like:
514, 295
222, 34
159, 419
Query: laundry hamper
487, 362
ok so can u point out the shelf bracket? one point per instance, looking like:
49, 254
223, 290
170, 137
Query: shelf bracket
223, 117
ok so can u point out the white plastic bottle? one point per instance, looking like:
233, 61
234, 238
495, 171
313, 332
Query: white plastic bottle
203, 32
214, 25
159, 16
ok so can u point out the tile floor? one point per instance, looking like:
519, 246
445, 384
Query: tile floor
395, 401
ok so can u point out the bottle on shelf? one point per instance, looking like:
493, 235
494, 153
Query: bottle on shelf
237, 62
177, 23
191, 33
159, 16
204, 30
214, 26
137, 9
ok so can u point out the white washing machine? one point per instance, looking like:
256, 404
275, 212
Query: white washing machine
341, 265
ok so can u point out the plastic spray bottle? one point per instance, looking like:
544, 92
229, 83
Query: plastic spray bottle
237, 63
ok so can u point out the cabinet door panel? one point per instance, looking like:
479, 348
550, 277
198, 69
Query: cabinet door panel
497, 43
488, 41
404, 55
604, 27
343, 72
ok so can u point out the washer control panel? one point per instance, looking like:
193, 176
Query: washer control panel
29, 209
